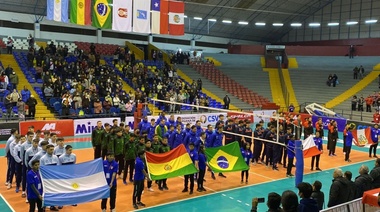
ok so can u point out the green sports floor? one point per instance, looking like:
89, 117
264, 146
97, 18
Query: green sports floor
234, 200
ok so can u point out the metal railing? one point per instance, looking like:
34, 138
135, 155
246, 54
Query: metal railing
352, 206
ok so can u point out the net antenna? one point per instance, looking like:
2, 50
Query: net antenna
276, 117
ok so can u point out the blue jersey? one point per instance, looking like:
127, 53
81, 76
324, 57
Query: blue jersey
217, 139
247, 155
290, 149
349, 138
190, 138
66, 159
202, 160
208, 142
319, 143
109, 169
375, 134
33, 178
139, 168
193, 155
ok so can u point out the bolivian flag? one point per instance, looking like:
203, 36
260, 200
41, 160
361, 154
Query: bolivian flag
174, 163
80, 12
226, 158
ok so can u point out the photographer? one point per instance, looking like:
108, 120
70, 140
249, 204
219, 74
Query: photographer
273, 203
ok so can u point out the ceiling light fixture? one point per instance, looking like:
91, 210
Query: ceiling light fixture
295, 24
212, 20
198, 18
371, 21
227, 21
243, 23
352, 23
260, 24
333, 24
278, 24
314, 24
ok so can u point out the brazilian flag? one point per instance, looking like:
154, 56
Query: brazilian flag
226, 158
102, 14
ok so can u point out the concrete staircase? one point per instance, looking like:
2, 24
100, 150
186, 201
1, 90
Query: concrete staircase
42, 112
208, 85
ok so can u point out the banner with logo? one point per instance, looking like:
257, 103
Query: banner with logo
263, 115
60, 127
85, 126
122, 15
5, 129
141, 16
240, 116
341, 123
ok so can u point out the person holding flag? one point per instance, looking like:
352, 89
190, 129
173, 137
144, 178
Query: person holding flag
319, 143
194, 157
110, 170
66, 159
349, 139
247, 155
34, 187
375, 132
138, 180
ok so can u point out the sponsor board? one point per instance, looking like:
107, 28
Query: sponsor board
240, 116
60, 127
205, 118
263, 115
341, 123
5, 129
85, 126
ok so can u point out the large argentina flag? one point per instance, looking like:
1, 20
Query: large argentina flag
74, 184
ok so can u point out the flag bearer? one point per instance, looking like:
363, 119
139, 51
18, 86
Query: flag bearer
34, 187
138, 180
163, 148
110, 167
66, 159
194, 157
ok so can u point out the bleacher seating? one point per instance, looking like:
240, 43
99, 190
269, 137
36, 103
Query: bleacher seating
103, 49
209, 71
151, 66
20, 44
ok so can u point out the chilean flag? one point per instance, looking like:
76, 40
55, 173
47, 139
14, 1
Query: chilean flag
309, 147
176, 18
160, 16
362, 137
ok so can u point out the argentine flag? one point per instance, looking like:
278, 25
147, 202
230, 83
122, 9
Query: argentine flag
74, 184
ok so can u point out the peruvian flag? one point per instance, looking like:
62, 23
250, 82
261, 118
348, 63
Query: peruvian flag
176, 18
362, 137
309, 147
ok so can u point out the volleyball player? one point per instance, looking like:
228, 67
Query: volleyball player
15, 163
26, 145
110, 167
36, 156
138, 180
375, 132
60, 148
194, 157
96, 139
67, 158
9, 178
49, 159
130, 157
163, 149
106, 138
34, 187
319, 143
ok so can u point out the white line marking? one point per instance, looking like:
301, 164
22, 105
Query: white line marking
263, 176
6, 202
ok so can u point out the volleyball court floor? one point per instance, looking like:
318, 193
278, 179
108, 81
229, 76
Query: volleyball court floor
223, 194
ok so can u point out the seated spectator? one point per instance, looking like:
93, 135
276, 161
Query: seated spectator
307, 204
116, 100
329, 80
77, 101
107, 105
129, 107
48, 92
273, 203
289, 201
318, 195
98, 108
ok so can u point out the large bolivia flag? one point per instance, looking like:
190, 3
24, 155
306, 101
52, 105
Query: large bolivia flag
160, 16
57, 10
174, 163
74, 184
80, 12
226, 158
102, 14
362, 137
309, 147
176, 18
122, 15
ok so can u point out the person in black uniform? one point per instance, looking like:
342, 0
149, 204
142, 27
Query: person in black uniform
248, 132
287, 136
258, 145
271, 135
240, 130
269, 125
163, 149
229, 128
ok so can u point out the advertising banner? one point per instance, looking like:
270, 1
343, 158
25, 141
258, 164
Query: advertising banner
341, 123
85, 126
240, 116
60, 127
5, 129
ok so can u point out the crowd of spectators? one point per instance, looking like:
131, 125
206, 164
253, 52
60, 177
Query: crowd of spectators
80, 84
